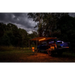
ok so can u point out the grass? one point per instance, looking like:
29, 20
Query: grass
72, 54
18, 54
13, 54
8, 48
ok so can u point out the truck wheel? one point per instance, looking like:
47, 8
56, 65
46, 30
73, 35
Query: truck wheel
49, 52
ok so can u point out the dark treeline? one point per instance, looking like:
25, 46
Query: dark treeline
60, 25
11, 35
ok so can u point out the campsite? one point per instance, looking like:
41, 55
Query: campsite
18, 41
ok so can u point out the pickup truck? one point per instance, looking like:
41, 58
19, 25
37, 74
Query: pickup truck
53, 48
51, 45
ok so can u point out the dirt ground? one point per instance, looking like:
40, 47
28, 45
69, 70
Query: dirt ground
44, 57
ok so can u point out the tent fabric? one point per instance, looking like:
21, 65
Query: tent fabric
42, 38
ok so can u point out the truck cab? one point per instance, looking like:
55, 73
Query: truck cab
54, 47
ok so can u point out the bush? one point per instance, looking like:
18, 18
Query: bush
5, 40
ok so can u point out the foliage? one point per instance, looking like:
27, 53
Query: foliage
40, 13
11, 35
47, 22
60, 25
67, 27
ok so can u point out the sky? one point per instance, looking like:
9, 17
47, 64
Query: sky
21, 20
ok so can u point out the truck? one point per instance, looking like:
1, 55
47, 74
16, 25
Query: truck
51, 45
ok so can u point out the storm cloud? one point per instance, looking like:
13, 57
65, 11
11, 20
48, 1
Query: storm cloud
19, 17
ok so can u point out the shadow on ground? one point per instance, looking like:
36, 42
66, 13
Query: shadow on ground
59, 56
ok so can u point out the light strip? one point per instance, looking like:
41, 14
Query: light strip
42, 39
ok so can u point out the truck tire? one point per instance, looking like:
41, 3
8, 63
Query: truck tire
49, 52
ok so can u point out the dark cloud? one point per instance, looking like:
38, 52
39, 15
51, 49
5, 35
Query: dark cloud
72, 12
2, 16
19, 18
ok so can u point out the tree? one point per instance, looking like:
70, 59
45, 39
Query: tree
2, 29
5, 40
35, 13
33, 35
42, 14
10, 34
67, 27
11, 37
49, 24
24, 37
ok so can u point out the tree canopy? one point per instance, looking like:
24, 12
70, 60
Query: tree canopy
60, 25
10, 34
67, 27
47, 22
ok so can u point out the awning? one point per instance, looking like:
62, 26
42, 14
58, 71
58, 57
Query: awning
42, 38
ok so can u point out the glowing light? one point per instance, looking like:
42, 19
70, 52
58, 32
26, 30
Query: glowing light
52, 47
33, 49
42, 39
